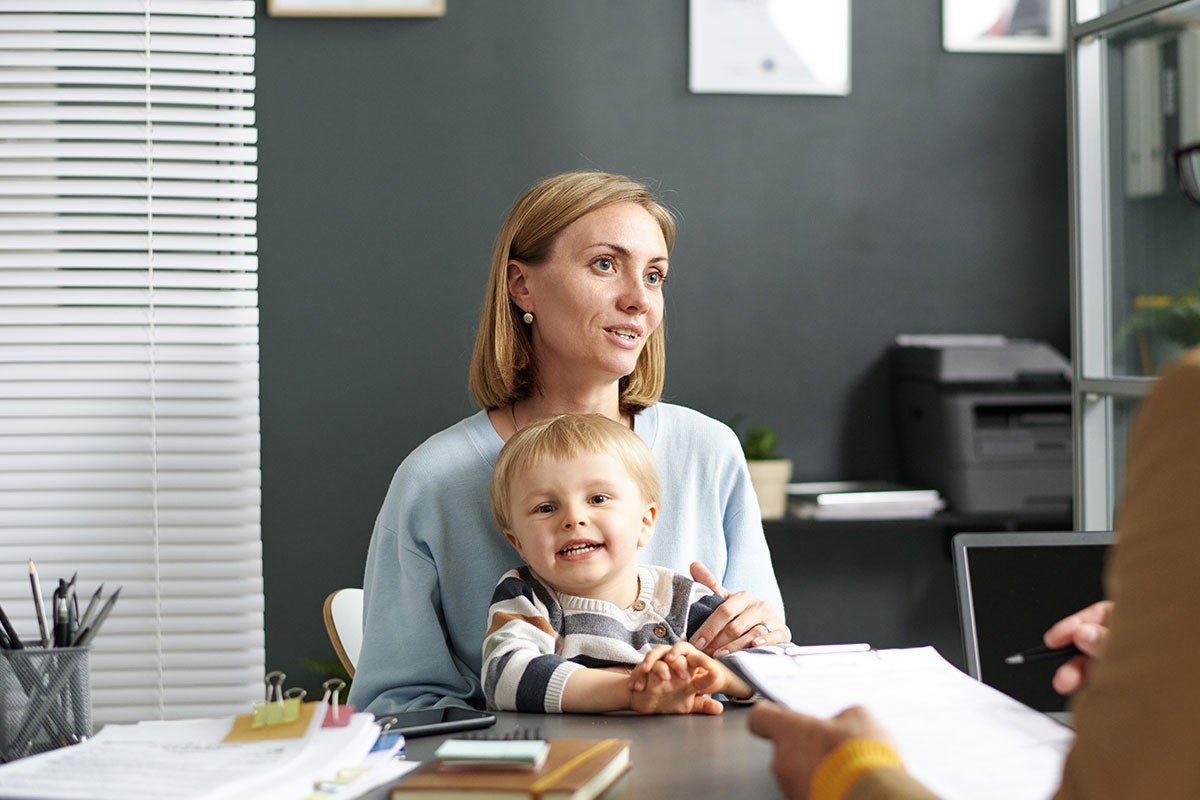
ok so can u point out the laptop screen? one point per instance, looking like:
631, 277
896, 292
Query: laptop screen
1011, 588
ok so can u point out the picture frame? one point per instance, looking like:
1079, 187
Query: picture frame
1004, 26
356, 8
780, 47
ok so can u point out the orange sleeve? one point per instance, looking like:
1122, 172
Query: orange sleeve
847, 763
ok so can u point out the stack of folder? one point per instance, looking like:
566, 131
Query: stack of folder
862, 500
215, 759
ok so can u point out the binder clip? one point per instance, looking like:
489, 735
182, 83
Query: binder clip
280, 707
388, 739
337, 716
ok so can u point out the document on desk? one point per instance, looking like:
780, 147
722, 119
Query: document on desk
188, 760
961, 738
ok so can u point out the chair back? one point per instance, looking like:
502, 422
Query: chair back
343, 620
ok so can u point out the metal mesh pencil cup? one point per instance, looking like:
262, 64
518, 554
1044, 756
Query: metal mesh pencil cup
45, 699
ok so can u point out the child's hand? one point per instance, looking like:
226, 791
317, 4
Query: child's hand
677, 680
682, 659
669, 684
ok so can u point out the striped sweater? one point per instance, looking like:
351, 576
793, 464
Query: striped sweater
538, 636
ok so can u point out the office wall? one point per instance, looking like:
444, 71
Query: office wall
813, 230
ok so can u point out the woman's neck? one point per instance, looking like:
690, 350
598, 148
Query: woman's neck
539, 406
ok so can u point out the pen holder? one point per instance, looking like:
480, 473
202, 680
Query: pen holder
45, 699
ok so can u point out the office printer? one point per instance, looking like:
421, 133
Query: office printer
985, 420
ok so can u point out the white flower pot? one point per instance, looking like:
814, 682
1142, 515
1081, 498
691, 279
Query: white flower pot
770, 479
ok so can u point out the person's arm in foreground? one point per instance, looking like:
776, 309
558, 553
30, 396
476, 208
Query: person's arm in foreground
848, 756
1135, 717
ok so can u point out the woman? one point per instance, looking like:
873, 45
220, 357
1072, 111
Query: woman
572, 322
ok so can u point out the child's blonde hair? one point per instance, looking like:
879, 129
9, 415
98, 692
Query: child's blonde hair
568, 436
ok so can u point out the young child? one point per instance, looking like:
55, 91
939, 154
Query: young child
577, 495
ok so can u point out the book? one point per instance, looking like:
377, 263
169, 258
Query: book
575, 769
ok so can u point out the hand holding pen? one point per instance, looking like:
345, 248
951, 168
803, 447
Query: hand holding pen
1077, 638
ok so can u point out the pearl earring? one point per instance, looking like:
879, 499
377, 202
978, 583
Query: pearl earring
528, 318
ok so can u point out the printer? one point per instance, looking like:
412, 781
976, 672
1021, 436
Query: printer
985, 420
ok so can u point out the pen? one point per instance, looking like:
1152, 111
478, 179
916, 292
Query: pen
59, 606
10, 633
1043, 653
38, 608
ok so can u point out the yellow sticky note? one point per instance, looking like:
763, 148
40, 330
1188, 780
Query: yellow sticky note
243, 729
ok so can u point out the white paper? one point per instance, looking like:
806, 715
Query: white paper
961, 738
186, 760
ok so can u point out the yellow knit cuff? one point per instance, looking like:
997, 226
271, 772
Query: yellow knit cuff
840, 769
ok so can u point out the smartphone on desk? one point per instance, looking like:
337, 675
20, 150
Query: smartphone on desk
433, 721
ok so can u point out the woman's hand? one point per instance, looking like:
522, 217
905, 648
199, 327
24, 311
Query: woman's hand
1087, 630
741, 621
802, 742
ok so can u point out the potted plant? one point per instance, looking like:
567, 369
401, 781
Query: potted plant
1163, 325
769, 473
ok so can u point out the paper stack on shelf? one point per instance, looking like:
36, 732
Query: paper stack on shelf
862, 500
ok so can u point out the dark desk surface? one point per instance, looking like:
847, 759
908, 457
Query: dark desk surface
673, 756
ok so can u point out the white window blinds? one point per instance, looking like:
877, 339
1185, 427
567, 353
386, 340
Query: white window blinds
129, 427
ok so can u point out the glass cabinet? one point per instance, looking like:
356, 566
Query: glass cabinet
1134, 70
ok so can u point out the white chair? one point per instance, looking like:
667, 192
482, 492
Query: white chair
343, 620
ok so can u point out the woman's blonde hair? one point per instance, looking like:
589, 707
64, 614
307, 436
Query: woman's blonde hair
502, 364
569, 436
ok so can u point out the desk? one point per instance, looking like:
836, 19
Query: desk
689, 756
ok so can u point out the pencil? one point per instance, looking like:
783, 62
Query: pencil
38, 608
1043, 653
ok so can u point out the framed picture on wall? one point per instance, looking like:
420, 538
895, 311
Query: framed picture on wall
1004, 26
769, 47
356, 8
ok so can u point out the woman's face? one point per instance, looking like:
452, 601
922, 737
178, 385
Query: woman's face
598, 296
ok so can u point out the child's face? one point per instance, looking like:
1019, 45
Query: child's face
579, 522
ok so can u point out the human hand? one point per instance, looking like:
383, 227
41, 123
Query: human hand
741, 621
1087, 630
802, 742
683, 659
676, 679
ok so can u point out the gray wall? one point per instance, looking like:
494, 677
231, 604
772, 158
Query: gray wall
814, 229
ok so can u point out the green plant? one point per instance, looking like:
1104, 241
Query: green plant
1162, 318
760, 442
1175, 318
321, 670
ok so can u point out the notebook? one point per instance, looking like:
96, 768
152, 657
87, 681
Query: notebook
1012, 586
575, 769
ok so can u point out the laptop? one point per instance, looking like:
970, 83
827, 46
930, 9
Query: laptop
1012, 586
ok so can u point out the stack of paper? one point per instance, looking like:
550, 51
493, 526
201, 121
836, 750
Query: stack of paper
192, 760
862, 500
961, 738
